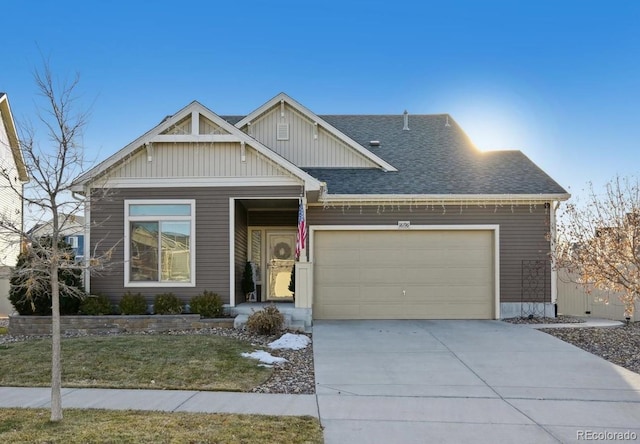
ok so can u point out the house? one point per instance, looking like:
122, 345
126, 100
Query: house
71, 228
406, 218
12, 179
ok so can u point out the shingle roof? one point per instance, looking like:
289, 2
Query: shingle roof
431, 158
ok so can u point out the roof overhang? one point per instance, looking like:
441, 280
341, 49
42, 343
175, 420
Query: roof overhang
14, 141
443, 199
282, 97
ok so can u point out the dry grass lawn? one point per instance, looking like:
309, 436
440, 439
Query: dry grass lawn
101, 426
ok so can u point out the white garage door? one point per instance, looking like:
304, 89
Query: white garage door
403, 274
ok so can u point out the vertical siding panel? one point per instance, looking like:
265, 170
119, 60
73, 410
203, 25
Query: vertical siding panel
197, 160
302, 149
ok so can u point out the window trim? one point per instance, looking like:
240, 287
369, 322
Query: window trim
127, 239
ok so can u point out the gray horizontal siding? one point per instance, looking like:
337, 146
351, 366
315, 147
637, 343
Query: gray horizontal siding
212, 236
523, 231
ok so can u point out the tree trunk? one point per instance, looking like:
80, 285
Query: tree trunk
56, 361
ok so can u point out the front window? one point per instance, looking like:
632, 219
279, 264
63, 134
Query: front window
160, 240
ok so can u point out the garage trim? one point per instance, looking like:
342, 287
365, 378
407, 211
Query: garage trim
494, 228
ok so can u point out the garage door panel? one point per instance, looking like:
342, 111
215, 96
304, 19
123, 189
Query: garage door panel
339, 256
380, 256
341, 294
337, 274
381, 311
328, 311
404, 275
386, 293
381, 275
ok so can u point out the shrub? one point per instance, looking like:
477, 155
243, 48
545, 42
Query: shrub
167, 304
207, 304
96, 305
30, 291
133, 304
268, 321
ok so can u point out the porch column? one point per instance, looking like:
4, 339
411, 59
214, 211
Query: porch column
304, 287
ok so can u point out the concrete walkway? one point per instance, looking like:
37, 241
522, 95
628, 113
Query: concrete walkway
164, 400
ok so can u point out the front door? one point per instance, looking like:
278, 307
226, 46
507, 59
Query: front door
280, 259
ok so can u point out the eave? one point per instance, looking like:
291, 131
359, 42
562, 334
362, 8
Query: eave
441, 199
14, 141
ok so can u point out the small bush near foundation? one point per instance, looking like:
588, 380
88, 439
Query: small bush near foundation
95, 305
167, 304
133, 304
268, 321
207, 304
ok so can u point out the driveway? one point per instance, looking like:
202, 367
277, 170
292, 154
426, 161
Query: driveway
466, 381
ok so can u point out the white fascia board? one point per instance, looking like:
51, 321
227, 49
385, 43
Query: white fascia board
311, 183
442, 198
14, 141
313, 117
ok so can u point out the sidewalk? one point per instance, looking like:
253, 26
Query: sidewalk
164, 400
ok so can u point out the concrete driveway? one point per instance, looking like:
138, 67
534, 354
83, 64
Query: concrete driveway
466, 381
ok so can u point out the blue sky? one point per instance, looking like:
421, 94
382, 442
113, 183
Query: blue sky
559, 80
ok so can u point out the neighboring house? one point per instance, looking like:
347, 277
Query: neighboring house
11, 185
71, 231
406, 218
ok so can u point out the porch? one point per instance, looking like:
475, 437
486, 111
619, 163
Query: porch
264, 234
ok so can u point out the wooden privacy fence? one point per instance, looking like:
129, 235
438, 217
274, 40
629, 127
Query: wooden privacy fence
573, 300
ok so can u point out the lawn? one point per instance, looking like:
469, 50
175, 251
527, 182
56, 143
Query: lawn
102, 426
180, 362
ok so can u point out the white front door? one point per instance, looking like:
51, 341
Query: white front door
281, 248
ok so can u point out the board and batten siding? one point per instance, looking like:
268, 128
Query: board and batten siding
523, 232
302, 148
205, 126
198, 160
211, 237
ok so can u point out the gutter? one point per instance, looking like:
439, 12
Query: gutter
500, 199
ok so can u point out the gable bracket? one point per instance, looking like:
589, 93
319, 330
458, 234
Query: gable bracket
149, 147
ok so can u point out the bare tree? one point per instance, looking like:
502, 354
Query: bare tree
52, 167
599, 241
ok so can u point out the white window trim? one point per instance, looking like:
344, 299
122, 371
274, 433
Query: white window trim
127, 239
73, 241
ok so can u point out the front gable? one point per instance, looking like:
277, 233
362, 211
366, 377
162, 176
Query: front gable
305, 139
197, 147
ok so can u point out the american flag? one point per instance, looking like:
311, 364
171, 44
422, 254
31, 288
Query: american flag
301, 236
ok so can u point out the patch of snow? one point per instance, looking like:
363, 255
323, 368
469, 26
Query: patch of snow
264, 357
290, 341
